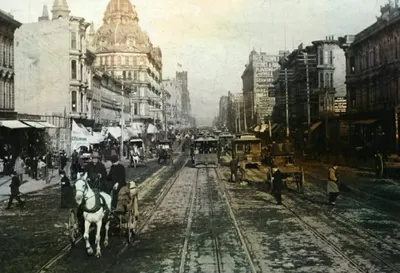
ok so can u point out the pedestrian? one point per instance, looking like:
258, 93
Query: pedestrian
14, 186
117, 178
34, 167
333, 187
41, 166
67, 194
277, 185
19, 168
234, 169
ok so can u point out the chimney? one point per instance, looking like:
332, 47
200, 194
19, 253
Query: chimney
45, 15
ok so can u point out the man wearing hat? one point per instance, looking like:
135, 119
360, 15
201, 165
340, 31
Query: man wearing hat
97, 173
117, 179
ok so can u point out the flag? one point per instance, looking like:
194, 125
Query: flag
179, 64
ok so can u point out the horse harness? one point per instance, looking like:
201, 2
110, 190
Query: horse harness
100, 202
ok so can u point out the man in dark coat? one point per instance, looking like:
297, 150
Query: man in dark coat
277, 185
97, 173
234, 169
117, 179
15, 184
63, 160
33, 165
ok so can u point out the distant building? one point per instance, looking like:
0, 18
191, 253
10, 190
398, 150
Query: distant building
257, 81
239, 112
182, 79
7, 91
223, 112
125, 50
174, 103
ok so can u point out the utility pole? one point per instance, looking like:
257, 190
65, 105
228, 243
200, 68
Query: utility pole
121, 148
244, 113
165, 113
396, 120
287, 102
326, 115
308, 93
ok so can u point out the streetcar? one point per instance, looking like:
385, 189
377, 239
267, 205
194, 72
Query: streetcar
225, 142
205, 152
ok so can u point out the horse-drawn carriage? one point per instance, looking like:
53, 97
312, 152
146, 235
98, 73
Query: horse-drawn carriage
282, 156
97, 210
137, 151
165, 151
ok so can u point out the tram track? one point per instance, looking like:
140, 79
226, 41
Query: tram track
357, 234
48, 266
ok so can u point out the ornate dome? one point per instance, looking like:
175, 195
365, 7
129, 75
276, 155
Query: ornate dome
120, 31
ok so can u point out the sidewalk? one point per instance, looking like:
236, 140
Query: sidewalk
28, 186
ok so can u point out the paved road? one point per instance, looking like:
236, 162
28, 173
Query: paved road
32, 236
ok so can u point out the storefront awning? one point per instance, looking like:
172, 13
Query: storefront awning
13, 124
47, 124
34, 124
365, 122
263, 128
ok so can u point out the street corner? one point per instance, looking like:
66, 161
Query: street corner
33, 234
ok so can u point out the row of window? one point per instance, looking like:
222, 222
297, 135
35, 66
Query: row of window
83, 75
325, 80
7, 95
325, 56
74, 41
75, 103
6, 52
387, 49
119, 60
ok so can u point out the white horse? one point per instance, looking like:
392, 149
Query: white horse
135, 155
95, 208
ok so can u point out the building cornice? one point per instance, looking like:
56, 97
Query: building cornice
8, 18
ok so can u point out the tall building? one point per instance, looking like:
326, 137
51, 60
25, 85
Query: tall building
53, 70
174, 103
125, 50
7, 95
182, 79
239, 112
257, 81
223, 111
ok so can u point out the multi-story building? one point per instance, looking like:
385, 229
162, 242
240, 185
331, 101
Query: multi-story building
223, 112
182, 79
108, 99
239, 112
173, 102
54, 77
124, 50
7, 28
373, 80
322, 64
257, 81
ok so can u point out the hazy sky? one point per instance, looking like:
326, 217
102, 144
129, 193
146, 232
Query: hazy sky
212, 38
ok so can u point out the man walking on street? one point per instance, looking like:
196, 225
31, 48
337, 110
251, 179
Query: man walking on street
234, 169
277, 185
333, 188
14, 186
19, 168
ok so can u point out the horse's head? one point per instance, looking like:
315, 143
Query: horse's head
81, 188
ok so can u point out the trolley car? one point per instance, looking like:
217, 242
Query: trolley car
205, 152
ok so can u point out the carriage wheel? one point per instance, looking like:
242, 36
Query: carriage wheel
378, 166
72, 226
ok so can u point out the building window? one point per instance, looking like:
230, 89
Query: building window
326, 80
130, 75
135, 109
135, 75
127, 60
124, 75
109, 60
4, 51
73, 69
82, 101
2, 94
112, 60
352, 65
326, 55
73, 101
331, 80
81, 73
73, 40
119, 60
321, 80
331, 57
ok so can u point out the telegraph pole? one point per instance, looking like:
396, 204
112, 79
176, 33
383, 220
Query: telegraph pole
396, 120
287, 103
121, 148
308, 98
165, 113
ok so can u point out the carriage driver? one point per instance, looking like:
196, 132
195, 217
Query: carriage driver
117, 178
97, 173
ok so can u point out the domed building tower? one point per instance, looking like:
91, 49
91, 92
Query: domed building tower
125, 51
